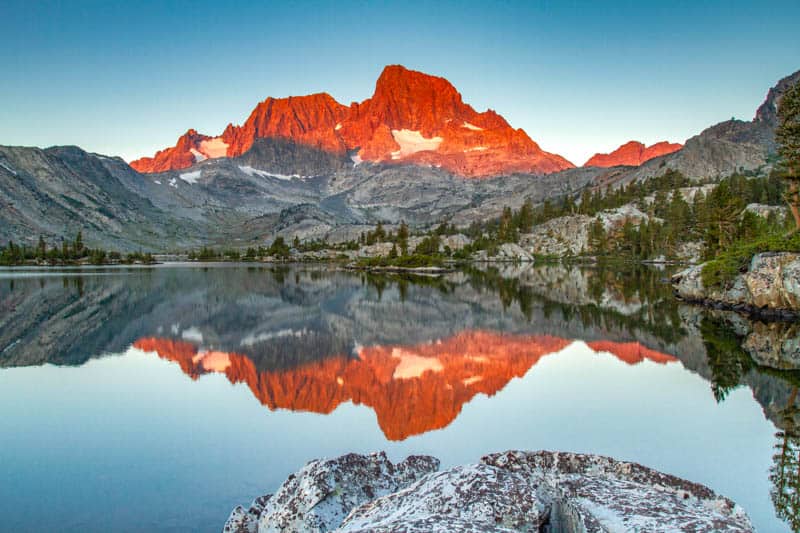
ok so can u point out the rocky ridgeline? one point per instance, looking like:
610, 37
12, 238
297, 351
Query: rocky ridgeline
412, 117
510, 491
771, 286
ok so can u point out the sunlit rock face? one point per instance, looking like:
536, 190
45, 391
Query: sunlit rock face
504, 492
411, 118
770, 284
632, 153
412, 389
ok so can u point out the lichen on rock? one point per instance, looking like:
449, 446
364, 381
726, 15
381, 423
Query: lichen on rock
503, 492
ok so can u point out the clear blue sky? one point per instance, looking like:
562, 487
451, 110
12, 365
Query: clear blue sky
126, 78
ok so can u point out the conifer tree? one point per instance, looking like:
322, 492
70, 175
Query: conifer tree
787, 135
402, 238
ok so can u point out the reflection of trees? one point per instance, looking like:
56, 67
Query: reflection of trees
658, 314
729, 363
726, 358
785, 471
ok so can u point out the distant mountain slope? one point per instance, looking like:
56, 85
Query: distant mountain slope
58, 191
728, 147
411, 118
632, 153
277, 186
287, 187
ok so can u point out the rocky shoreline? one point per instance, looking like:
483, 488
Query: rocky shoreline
503, 492
769, 289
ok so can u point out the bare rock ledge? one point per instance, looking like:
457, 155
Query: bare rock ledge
510, 491
770, 287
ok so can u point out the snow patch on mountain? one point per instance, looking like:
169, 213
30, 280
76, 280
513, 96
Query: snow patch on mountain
411, 141
7, 167
197, 155
250, 171
412, 365
250, 340
214, 148
190, 177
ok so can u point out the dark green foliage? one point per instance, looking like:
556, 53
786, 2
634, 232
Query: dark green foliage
785, 476
403, 261
232, 255
787, 135
68, 253
377, 235
279, 249
402, 238
720, 271
726, 358
428, 246
716, 220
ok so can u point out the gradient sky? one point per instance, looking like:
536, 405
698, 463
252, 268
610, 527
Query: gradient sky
127, 78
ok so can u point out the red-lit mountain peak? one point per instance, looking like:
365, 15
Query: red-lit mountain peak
412, 117
632, 153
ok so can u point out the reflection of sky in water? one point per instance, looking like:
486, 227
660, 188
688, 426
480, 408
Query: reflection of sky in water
131, 441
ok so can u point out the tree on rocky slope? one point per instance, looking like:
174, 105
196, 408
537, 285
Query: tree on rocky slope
788, 136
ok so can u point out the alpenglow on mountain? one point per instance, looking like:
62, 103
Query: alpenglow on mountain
632, 153
412, 117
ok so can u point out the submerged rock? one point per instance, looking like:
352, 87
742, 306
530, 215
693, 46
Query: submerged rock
510, 491
771, 284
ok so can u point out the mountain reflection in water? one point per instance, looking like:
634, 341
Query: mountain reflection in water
435, 359
412, 389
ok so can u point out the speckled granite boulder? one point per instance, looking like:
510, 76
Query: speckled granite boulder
322, 493
592, 493
477, 497
771, 283
510, 491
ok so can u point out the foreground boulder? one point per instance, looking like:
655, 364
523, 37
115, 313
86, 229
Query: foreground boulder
321, 494
770, 285
510, 491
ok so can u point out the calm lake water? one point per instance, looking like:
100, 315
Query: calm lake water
144, 399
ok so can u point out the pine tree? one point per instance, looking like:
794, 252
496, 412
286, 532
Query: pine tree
41, 248
597, 237
402, 238
787, 135
380, 234
523, 219
78, 246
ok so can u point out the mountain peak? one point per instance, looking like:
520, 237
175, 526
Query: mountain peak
412, 117
632, 153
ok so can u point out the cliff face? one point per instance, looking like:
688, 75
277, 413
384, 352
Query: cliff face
411, 118
413, 389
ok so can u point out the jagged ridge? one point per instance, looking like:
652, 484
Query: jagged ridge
412, 117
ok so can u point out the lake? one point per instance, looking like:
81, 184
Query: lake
157, 399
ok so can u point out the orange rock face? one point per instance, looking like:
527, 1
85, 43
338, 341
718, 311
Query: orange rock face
632, 153
411, 118
412, 389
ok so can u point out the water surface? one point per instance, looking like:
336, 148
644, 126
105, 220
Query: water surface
158, 399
